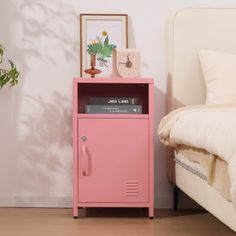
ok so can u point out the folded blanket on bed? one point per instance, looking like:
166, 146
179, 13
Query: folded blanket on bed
216, 168
210, 128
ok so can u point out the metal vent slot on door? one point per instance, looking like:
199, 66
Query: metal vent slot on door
131, 188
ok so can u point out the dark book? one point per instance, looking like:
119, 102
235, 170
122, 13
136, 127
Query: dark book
112, 100
113, 109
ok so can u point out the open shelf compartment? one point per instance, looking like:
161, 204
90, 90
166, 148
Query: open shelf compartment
88, 90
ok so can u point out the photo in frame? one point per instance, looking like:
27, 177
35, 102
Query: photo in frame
99, 34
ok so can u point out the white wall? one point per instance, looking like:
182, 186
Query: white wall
35, 117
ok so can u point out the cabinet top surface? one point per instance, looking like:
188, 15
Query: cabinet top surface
114, 80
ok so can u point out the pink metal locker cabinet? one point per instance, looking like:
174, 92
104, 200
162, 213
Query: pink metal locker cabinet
113, 153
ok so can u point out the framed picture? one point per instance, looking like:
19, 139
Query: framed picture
99, 34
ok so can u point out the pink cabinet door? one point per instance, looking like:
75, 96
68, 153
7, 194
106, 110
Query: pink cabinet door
113, 160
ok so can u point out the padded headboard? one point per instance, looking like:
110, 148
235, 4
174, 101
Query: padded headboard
190, 30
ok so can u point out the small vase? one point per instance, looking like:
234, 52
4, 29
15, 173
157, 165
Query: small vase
92, 71
93, 61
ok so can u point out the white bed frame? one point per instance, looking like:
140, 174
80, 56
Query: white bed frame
190, 30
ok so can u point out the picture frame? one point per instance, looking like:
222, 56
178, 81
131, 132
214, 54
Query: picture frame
99, 34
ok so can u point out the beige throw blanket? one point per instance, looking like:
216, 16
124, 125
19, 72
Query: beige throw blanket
216, 168
209, 128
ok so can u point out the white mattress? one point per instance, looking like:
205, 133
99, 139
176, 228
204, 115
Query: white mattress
206, 196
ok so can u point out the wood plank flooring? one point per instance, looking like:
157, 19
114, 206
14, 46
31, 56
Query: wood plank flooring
107, 222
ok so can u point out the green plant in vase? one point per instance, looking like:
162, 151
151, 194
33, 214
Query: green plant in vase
8, 76
99, 50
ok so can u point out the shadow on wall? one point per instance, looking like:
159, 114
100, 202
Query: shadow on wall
162, 184
47, 21
44, 147
31, 161
43, 169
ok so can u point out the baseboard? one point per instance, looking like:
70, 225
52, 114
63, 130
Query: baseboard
35, 201
161, 202
164, 202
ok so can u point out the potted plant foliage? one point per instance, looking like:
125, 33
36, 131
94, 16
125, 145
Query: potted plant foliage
99, 50
7, 75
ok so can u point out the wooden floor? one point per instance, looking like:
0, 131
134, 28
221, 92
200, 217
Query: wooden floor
107, 222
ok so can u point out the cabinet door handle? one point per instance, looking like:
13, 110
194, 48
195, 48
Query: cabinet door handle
84, 161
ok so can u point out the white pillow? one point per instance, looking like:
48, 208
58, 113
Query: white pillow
219, 71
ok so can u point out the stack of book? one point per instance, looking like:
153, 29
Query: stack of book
113, 105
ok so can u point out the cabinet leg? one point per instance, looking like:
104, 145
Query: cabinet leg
151, 212
75, 212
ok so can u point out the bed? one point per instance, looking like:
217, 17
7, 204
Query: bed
201, 99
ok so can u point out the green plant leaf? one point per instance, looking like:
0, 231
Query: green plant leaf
106, 51
106, 41
2, 77
11, 63
8, 76
13, 82
94, 48
112, 46
1, 52
12, 73
2, 49
1, 55
6, 79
